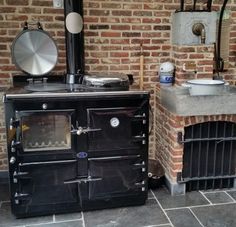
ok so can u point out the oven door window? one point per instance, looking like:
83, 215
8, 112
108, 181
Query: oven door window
45, 131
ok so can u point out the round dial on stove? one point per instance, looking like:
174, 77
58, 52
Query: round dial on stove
114, 122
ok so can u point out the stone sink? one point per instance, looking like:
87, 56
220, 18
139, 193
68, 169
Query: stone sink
177, 100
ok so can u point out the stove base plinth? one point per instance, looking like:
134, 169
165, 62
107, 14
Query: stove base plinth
175, 188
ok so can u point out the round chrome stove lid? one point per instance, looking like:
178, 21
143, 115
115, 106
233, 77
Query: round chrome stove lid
34, 52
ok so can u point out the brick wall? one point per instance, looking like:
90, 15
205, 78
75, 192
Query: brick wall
114, 31
193, 62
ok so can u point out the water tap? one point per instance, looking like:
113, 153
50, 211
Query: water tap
199, 30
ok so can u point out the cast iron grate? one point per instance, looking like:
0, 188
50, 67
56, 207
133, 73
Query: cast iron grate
209, 160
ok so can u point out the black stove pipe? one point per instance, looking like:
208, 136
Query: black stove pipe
220, 61
74, 36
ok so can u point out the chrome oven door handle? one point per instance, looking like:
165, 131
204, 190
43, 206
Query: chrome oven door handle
81, 130
82, 180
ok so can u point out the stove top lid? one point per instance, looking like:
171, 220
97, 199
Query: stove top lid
107, 80
34, 52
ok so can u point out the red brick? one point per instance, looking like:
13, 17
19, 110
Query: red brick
110, 34
17, 3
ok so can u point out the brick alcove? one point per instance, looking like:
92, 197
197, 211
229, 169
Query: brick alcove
169, 151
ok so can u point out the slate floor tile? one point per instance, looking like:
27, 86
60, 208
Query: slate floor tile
218, 197
216, 216
7, 219
149, 214
182, 218
66, 217
77, 223
189, 199
150, 195
232, 193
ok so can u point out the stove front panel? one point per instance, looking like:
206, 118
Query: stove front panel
63, 153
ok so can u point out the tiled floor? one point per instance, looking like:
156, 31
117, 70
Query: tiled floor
195, 209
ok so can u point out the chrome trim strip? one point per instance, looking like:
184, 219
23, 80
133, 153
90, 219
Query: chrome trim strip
73, 94
115, 157
46, 162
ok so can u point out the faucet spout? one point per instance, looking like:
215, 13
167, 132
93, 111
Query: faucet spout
199, 30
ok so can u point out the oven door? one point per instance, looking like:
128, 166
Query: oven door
40, 185
117, 176
44, 131
120, 128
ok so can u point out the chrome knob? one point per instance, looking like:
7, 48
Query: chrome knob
12, 160
44, 106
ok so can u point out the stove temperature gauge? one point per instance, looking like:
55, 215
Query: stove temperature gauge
114, 122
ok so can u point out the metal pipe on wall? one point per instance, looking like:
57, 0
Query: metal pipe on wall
74, 36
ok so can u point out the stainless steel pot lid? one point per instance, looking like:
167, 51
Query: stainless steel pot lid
101, 80
34, 52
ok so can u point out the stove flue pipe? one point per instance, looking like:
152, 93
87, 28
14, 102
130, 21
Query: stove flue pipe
74, 36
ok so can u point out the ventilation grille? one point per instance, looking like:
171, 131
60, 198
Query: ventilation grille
209, 160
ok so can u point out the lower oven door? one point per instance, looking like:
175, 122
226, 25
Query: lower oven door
40, 186
117, 176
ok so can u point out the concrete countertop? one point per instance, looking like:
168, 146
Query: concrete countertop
177, 100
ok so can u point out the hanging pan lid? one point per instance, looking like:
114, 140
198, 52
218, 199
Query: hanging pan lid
34, 52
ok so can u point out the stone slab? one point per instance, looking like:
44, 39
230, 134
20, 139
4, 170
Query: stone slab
182, 23
177, 100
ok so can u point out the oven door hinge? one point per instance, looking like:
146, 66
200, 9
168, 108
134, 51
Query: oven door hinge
21, 196
20, 175
14, 123
140, 185
140, 117
141, 165
140, 138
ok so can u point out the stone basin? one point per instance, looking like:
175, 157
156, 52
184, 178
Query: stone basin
177, 100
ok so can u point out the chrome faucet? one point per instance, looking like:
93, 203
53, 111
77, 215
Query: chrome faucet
199, 30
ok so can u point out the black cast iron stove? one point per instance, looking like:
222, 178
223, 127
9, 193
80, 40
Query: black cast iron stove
76, 150
75, 146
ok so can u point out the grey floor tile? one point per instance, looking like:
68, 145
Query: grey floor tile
7, 219
182, 218
61, 224
217, 216
232, 193
66, 217
150, 195
4, 192
218, 197
138, 216
189, 199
